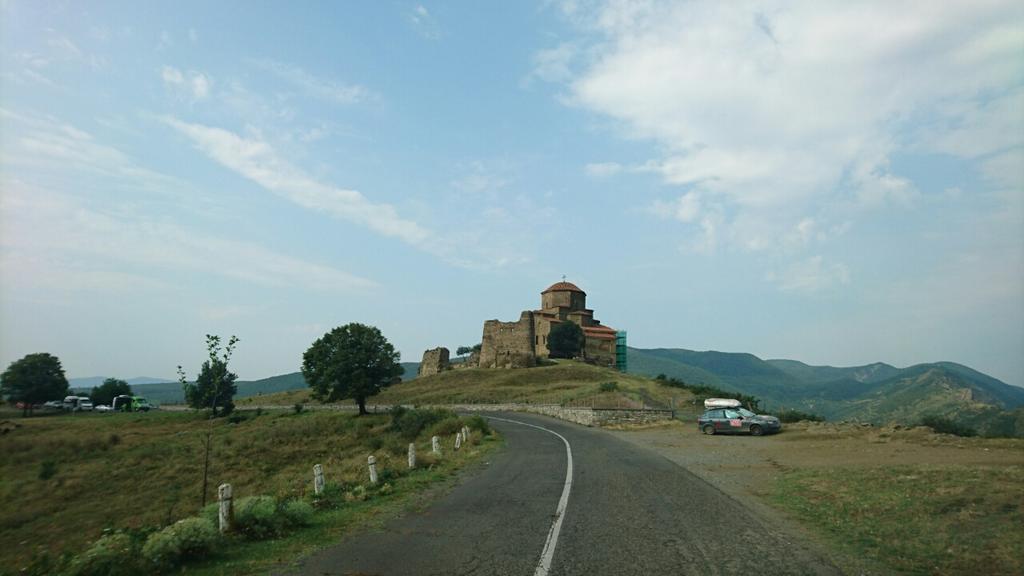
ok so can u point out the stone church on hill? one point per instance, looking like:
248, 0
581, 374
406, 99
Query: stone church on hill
520, 344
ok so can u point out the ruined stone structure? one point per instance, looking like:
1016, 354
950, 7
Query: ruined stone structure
520, 344
434, 361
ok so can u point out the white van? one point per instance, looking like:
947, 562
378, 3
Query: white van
77, 403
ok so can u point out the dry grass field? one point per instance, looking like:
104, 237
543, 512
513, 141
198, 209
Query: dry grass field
65, 478
889, 500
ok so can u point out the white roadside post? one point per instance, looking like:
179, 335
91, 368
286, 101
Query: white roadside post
458, 440
225, 513
412, 455
373, 469
435, 445
318, 479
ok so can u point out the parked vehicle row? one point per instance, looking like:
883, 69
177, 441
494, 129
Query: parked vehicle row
122, 403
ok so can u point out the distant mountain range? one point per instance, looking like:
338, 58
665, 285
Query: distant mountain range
93, 381
872, 393
163, 391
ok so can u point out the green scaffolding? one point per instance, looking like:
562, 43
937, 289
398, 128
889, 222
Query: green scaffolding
620, 350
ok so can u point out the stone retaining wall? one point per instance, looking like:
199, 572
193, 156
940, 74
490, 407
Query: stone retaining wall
583, 416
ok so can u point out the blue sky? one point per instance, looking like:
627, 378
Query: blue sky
835, 183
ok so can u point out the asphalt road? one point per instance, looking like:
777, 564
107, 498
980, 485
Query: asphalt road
629, 511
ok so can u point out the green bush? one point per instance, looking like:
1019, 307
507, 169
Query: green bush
256, 517
450, 426
47, 469
790, 416
609, 386
479, 423
263, 517
703, 391
944, 425
297, 513
298, 408
186, 539
409, 423
113, 554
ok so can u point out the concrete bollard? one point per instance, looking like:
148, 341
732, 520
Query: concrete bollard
318, 479
435, 445
458, 440
226, 513
373, 469
412, 455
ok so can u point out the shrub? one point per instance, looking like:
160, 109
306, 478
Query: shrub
263, 517
238, 417
47, 469
298, 408
184, 540
790, 416
410, 423
113, 554
944, 425
609, 386
297, 513
704, 391
479, 423
256, 517
447, 427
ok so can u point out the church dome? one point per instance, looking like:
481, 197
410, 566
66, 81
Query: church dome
563, 287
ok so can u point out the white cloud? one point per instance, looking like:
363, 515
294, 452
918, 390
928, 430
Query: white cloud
554, 64
52, 241
775, 109
314, 86
686, 208
479, 178
44, 143
195, 85
424, 22
810, 275
256, 160
603, 169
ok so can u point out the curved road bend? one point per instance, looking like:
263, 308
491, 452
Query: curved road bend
630, 511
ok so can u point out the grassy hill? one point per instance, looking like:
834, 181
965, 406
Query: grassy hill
566, 382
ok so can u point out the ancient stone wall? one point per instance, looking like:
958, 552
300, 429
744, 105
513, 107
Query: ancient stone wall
600, 351
434, 361
582, 416
508, 344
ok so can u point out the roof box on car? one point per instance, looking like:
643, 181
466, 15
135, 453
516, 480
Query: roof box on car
721, 403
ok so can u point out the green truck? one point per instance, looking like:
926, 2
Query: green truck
126, 403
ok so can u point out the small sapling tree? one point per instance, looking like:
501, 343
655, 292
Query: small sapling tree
565, 340
214, 387
32, 380
352, 361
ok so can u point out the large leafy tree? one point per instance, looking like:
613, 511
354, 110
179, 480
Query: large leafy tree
352, 361
34, 379
106, 392
565, 340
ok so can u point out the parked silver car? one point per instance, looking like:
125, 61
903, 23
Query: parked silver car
737, 421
